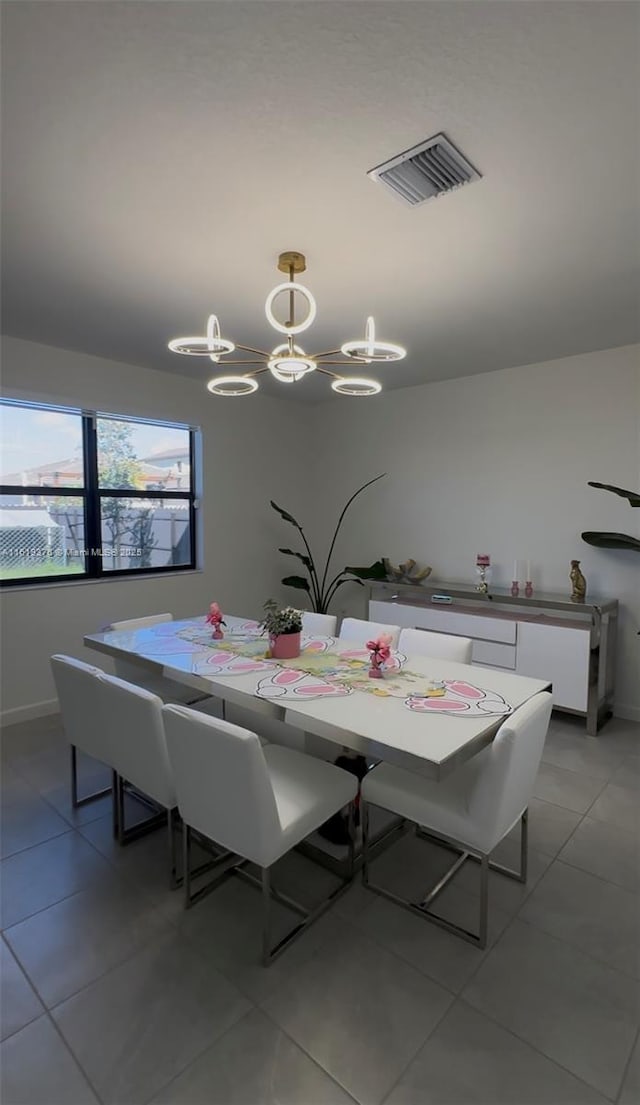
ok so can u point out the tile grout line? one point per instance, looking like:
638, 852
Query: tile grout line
565, 943
86, 985
74, 1057
566, 940
308, 1054
535, 1048
419, 1049
627, 1066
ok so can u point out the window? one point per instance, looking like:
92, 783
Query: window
86, 495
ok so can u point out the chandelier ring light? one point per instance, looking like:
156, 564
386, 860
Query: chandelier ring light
288, 362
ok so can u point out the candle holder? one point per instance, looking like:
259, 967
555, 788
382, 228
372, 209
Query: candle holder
528, 588
515, 588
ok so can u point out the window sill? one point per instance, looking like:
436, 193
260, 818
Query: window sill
21, 587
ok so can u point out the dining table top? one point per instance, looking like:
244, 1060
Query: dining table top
426, 713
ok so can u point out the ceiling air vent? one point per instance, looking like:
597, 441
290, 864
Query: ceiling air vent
430, 169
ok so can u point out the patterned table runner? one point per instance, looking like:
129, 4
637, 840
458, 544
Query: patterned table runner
320, 672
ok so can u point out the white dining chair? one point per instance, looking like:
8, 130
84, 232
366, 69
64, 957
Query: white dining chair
358, 632
77, 688
134, 725
257, 802
322, 624
442, 646
471, 810
169, 690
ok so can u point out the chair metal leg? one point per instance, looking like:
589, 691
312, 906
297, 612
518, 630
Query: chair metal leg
524, 845
422, 906
266, 916
120, 806
186, 865
228, 863
75, 801
364, 820
124, 835
115, 814
484, 901
173, 859
351, 830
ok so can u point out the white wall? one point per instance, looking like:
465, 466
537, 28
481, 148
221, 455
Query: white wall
495, 463
247, 449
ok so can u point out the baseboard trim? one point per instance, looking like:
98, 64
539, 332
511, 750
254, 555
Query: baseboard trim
29, 713
627, 713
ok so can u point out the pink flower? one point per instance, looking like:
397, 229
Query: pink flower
214, 617
380, 647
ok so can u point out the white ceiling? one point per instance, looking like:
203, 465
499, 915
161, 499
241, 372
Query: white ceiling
157, 156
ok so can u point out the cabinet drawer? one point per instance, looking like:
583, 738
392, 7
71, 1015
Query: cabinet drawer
392, 613
444, 620
493, 654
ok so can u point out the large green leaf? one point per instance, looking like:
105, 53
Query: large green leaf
374, 571
632, 496
285, 514
300, 582
301, 556
611, 540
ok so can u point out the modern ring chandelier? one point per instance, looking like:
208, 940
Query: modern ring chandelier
288, 362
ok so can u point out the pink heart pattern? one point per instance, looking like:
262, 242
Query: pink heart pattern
289, 683
462, 699
316, 644
225, 663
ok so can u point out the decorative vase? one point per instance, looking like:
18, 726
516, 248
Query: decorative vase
285, 646
375, 671
217, 634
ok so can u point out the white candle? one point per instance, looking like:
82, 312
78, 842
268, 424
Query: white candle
528, 579
514, 577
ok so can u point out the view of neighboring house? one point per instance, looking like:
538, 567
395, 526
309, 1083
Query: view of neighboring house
166, 470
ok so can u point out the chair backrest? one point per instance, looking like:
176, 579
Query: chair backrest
141, 623
359, 632
135, 731
507, 770
442, 646
324, 624
222, 781
77, 685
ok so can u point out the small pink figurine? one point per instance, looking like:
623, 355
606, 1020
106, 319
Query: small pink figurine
214, 618
379, 653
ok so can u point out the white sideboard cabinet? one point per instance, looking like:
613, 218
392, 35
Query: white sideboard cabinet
545, 636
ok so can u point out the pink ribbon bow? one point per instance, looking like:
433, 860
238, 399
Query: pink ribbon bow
380, 647
214, 617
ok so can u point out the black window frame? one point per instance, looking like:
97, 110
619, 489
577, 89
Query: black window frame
92, 494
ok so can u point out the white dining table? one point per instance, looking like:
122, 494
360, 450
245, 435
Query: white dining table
383, 727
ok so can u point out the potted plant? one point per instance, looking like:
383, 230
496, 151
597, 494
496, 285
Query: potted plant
284, 625
318, 586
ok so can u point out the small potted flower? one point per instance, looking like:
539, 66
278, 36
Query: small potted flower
215, 619
379, 653
284, 626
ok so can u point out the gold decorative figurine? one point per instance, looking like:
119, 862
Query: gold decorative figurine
578, 581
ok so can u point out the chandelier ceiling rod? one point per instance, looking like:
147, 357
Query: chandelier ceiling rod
288, 362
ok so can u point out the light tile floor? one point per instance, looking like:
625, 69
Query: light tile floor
112, 994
